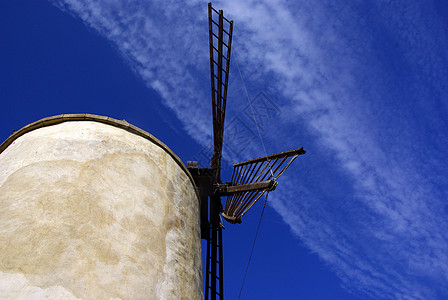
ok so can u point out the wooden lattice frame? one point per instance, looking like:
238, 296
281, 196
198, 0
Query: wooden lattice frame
265, 171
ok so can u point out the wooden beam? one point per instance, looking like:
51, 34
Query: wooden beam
298, 151
227, 190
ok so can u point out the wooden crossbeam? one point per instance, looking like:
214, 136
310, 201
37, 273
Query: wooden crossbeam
298, 151
228, 190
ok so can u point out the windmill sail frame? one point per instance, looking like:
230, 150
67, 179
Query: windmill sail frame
220, 49
250, 179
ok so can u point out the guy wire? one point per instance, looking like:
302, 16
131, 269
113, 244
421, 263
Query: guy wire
253, 114
253, 245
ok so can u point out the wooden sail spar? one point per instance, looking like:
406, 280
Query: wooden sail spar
220, 40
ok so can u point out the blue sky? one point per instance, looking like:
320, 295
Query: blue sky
361, 85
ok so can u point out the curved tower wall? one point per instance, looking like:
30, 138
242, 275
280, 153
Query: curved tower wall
95, 208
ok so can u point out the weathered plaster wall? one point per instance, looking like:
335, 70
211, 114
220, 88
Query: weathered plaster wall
91, 211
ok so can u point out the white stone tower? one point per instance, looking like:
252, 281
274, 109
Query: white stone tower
95, 208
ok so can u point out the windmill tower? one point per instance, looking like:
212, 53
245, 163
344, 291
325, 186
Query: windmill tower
250, 179
95, 208
92, 207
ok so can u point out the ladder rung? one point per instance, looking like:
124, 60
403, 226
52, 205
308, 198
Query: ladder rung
224, 43
214, 10
220, 53
222, 97
222, 69
218, 108
215, 23
217, 12
216, 76
221, 82
219, 27
216, 104
226, 32
216, 63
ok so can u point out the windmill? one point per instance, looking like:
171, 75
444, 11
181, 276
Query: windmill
250, 179
100, 208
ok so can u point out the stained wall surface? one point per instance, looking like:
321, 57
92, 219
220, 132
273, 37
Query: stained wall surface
92, 211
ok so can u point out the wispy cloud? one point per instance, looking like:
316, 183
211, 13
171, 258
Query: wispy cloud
367, 82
